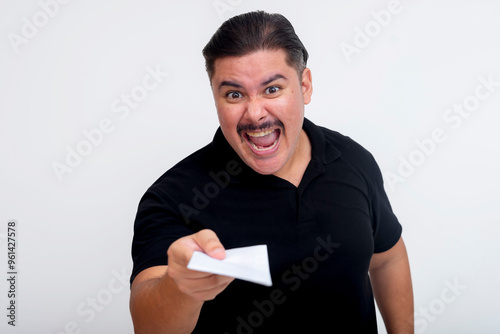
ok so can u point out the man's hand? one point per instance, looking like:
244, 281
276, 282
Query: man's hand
198, 285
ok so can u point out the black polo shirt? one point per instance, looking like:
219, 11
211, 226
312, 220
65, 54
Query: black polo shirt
320, 235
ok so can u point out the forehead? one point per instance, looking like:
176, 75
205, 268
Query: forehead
253, 67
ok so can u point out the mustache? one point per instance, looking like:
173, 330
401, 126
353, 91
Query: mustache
252, 127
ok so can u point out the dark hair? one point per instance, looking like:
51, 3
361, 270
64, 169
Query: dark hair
253, 31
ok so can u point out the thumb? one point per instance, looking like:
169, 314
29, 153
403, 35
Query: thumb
210, 244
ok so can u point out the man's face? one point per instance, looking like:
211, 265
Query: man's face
260, 103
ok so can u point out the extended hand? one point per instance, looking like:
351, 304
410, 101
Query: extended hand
198, 285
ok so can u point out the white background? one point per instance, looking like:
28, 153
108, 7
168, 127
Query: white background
74, 235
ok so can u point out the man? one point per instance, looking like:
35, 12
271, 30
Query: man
270, 176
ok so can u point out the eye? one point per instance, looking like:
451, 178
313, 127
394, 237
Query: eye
233, 95
272, 90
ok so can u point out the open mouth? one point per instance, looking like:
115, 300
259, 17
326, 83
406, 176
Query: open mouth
263, 142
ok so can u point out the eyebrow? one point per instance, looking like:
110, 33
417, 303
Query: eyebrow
237, 85
273, 78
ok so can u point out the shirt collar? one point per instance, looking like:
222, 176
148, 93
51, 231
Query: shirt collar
321, 150
322, 153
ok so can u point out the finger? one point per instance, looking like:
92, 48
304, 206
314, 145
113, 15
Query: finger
210, 244
182, 249
208, 288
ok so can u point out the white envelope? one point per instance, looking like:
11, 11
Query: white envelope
246, 263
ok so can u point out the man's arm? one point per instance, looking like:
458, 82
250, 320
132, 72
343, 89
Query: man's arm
392, 287
168, 299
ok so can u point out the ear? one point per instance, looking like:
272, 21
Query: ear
306, 84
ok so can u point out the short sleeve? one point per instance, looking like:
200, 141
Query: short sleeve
157, 225
386, 227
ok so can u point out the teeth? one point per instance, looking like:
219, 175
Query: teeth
259, 134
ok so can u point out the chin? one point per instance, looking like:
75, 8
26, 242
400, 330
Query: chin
265, 166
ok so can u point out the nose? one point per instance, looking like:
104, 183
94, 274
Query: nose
255, 111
